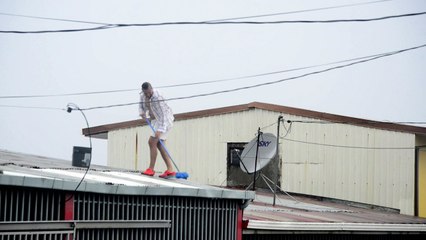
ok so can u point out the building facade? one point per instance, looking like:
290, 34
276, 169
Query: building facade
320, 154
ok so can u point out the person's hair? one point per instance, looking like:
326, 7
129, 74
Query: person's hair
146, 85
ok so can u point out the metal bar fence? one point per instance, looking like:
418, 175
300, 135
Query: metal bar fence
80, 229
190, 217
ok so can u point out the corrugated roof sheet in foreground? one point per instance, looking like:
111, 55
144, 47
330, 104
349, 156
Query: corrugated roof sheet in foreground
40, 172
308, 214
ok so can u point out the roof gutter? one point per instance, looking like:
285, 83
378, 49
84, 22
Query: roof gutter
256, 227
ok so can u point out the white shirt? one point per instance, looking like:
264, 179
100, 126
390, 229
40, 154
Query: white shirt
157, 106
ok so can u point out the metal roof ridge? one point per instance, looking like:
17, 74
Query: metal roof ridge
60, 184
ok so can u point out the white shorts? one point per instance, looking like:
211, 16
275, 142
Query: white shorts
163, 135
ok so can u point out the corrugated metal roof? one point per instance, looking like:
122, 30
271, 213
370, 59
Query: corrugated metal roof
26, 170
100, 131
294, 214
304, 213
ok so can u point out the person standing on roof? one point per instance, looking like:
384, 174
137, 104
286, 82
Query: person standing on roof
152, 105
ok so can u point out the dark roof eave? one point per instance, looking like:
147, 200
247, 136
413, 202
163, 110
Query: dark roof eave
180, 116
103, 129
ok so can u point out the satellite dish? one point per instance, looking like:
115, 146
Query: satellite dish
267, 151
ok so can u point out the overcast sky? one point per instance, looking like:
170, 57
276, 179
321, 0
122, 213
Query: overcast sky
386, 89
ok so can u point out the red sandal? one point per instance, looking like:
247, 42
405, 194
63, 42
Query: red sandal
168, 174
149, 172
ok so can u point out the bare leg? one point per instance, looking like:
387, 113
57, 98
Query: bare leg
165, 156
153, 151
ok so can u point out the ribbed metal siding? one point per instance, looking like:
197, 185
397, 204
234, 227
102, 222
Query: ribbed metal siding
17, 205
29, 205
379, 177
123, 146
191, 218
195, 144
48, 235
73, 229
125, 233
383, 177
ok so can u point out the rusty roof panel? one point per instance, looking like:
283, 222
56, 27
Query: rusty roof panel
310, 209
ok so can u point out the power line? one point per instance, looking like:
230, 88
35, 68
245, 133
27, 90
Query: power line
32, 107
299, 11
66, 94
269, 73
110, 26
54, 19
216, 20
273, 82
58, 31
262, 128
191, 83
335, 145
352, 122
269, 125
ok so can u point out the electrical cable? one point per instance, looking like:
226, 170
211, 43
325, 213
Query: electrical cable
354, 122
70, 107
272, 124
230, 90
227, 19
32, 107
283, 191
122, 25
271, 82
269, 125
54, 19
268, 73
66, 94
57, 31
334, 145
299, 11
190, 84
288, 131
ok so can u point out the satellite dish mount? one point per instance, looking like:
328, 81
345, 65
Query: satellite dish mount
257, 154
253, 159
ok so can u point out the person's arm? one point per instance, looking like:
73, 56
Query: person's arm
142, 111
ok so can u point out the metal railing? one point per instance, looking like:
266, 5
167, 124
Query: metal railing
52, 230
189, 217
18, 204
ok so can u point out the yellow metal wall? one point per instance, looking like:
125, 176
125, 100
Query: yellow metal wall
380, 177
122, 148
375, 176
422, 183
198, 146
